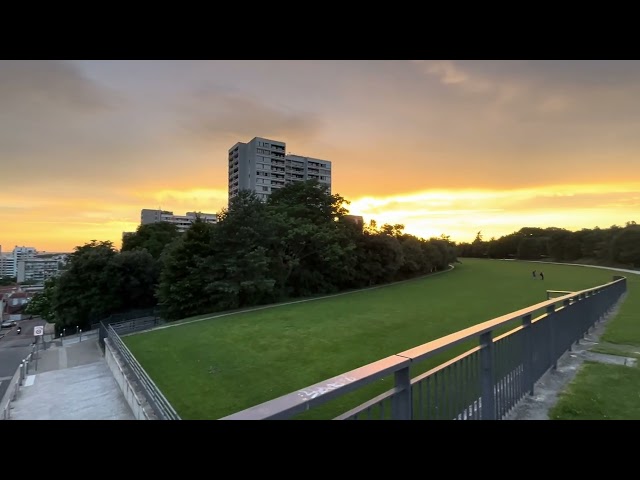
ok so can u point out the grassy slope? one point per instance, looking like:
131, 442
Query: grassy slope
609, 391
212, 368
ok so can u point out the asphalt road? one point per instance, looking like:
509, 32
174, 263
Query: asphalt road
14, 348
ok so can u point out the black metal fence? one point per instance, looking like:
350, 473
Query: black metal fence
135, 321
129, 315
160, 405
485, 382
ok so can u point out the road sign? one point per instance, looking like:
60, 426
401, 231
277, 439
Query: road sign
37, 331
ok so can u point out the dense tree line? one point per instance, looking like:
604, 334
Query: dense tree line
615, 245
300, 242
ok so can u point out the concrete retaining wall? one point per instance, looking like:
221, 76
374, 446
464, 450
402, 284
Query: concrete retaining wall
117, 369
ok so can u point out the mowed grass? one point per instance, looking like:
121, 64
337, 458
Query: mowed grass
624, 328
609, 392
212, 368
601, 392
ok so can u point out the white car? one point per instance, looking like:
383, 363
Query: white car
9, 324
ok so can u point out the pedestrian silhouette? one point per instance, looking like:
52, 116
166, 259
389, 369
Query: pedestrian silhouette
541, 276
534, 274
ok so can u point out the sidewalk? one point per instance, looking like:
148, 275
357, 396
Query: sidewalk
72, 382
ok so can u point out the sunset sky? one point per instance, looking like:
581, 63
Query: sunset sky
451, 147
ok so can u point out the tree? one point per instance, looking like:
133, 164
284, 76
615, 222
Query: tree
414, 260
185, 278
532, 248
312, 245
84, 291
626, 246
393, 230
446, 252
99, 281
382, 258
479, 248
135, 276
153, 237
241, 265
41, 303
6, 281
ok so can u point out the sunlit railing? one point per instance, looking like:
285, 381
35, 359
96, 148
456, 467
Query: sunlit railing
485, 382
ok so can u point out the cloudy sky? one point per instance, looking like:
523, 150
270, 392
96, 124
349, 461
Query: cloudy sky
451, 147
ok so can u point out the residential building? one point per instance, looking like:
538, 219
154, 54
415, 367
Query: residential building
357, 220
182, 222
12, 305
9, 262
37, 270
261, 165
6, 264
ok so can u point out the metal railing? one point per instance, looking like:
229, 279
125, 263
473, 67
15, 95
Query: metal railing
485, 382
130, 315
160, 405
557, 293
123, 327
11, 394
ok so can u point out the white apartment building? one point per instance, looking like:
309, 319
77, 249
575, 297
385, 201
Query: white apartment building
183, 222
6, 264
37, 270
9, 261
261, 165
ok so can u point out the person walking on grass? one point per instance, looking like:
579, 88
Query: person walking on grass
541, 276
534, 274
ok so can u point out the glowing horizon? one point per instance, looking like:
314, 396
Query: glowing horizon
459, 214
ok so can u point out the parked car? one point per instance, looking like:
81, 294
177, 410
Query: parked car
9, 324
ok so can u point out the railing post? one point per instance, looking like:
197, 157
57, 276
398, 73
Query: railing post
528, 353
579, 299
589, 324
486, 377
401, 402
552, 336
565, 304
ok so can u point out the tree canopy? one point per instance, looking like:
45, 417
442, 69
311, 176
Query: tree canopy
615, 245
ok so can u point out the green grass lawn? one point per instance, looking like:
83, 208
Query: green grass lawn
609, 391
212, 368
601, 392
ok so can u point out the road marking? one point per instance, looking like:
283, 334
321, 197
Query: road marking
29, 380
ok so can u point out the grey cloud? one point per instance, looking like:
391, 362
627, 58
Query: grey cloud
585, 92
62, 125
37, 84
560, 73
50, 108
532, 110
543, 73
219, 112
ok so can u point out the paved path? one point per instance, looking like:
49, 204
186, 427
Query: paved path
14, 348
71, 383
